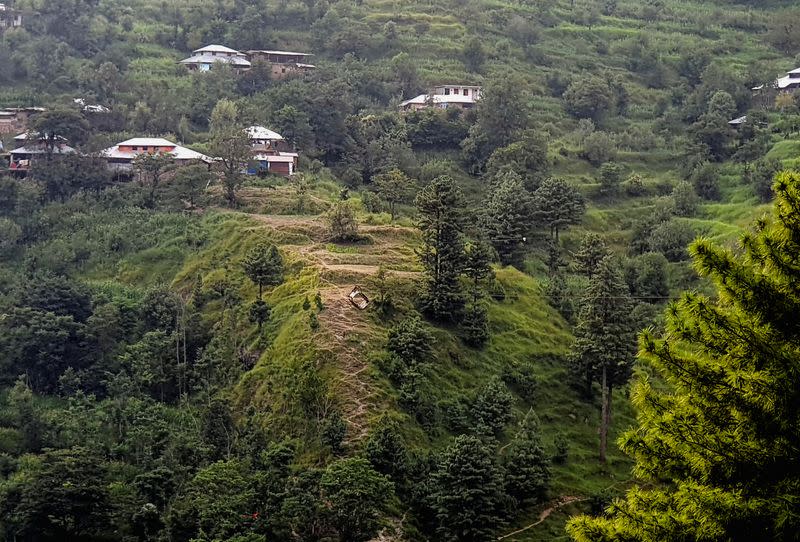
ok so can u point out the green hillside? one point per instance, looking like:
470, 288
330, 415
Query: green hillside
148, 393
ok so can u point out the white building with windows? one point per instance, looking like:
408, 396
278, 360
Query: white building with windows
202, 59
444, 97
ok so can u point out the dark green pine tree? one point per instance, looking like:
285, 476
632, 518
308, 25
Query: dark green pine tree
478, 270
605, 342
441, 213
591, 252
556, 205
507, 217
264, 266
527, 464
467, 491
716, 447
386, 451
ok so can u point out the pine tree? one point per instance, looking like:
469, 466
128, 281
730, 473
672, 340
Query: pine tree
592, 251
441, 222
492, 407
478, 270
717, 439
507, 217
264, 266
556, 205
605, 339
467, 490
527, 466
386, 451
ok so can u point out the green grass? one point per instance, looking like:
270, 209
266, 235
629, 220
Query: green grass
785, 150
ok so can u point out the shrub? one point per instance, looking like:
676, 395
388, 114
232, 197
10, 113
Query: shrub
685, 199
373, 203
522, 380
342, 223
634, 186
705, 180
761, 176
671, 238
598, 147
610, 177
332, 431
561, 452
646, 276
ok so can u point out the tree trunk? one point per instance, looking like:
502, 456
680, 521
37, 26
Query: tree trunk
604, 419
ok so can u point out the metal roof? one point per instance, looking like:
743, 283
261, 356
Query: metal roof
40, 149
260, 132
439, 99
178, 152
786, 82
147, 142
287, 53
213, 48
210, 59
275, 158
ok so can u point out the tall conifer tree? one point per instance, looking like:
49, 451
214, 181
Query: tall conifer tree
717, 445
507, 217
605, 339
440, 206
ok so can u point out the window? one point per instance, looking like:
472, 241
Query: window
447, 92
466, 92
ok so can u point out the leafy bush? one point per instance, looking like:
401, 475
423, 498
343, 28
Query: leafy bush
646, 276
761, 176
342, 223
705, 180
634, 186
685, 199
671, 238
610, 177
598, 147
522, 380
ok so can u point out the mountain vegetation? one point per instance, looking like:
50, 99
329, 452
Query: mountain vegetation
186, 354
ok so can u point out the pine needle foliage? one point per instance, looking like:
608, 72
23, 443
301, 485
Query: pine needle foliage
718, 448
440, 206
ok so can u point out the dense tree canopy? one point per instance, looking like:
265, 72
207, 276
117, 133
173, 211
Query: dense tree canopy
717, 446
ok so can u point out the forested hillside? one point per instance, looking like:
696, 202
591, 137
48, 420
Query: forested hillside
180, 358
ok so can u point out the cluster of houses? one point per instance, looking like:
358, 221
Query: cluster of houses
271, 153
282, 63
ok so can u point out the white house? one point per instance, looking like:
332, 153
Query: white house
271, 152
445, 96
9, 18
202, 59
791, 81
28, 147
120, 157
